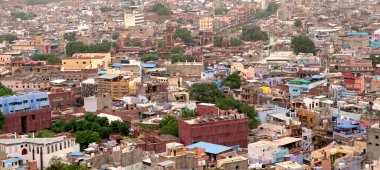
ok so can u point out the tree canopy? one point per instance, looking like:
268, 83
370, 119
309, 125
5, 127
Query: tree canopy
218, 41
375, 59
234, 42
70, 36
8, 37
4, 91
161, 44
39, 2
2, 119
49, 58
115, 35
233, 81
177, 50
160, 9
303, 44
186, 113
298, 23
220, 11
184, 34
149, 57
23, 15
177, 57
271, 9
86, 137
56, 163
134, 43
169, 125
80, 47
106, 9
45, 133
253, 33
206, 92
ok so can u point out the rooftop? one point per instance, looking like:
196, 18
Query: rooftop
209, 147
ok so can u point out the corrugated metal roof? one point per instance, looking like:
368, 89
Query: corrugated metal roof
210, 147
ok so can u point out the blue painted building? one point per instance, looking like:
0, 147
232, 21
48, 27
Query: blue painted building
24, 102
298, 86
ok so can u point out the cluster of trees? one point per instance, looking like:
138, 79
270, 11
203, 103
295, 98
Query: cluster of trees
8, 37
39, 2
149, 57
4, 91
106, 9
168, 125
160, 9
271, 9
209, 93
176, 55
161, 45
233, 81
303, 44
135, 43
115, 35
252, 32
57, 164
23, 15
70, 36
297, 22
49, 58
186, 113
184, 34
220, 11
80, 47
234, 42
375, 59
91, 129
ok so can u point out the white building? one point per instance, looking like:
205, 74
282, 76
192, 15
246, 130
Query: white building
134, 19
39, 149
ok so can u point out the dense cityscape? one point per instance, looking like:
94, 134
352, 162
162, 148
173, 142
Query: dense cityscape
189, 84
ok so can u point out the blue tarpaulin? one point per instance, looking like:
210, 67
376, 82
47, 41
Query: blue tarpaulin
209, 147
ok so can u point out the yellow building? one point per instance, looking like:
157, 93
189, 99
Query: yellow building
81, 61
237, 67
206, 24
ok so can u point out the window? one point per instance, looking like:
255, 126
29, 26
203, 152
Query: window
38, 150
48, 150
377, 144
64, 62
60, 146
377, 137
84, 62
33, 117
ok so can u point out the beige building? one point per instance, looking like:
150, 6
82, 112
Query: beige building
114, 84
206, 24
238, 163
82, 61
136, 18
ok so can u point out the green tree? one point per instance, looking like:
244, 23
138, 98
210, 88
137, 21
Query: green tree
50, 59
135, 43
120, 127
149, 57
23, 15
4, 91
206, 92
161, 45
375, 59
86, 137
253, 33
169, 125
220, 11
39, 2
157, 6
233, 81
105, 132
70, 36
163, 11
186, 113
303, 44
55, 163
75, 47
271, 9
297, 23
115, 35
74, 166
176, 57
8, 37
42, 134
184, 34
106, 9
218, 41
234, 42
177, 50
59, 126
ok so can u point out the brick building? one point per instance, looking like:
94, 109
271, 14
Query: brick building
27, 121
221, 127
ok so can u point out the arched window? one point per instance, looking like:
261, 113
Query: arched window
24, 151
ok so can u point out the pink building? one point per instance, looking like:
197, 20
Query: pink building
248, 74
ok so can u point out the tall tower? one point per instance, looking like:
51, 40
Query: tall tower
169, 37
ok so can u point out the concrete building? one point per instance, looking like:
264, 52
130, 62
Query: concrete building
38, 149
206, 24
136, 18
85, 61
299, 86
228, 130
114, 84
373, 142
238, 163
354, 82
24, 102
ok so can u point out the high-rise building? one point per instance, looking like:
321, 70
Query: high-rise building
136, 18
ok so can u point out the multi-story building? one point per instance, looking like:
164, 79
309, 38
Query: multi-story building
357, 66
223, 129
114, 84
26, 112
136, 18
40, 150
206, 24
299, 86
354, 82
373, 142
